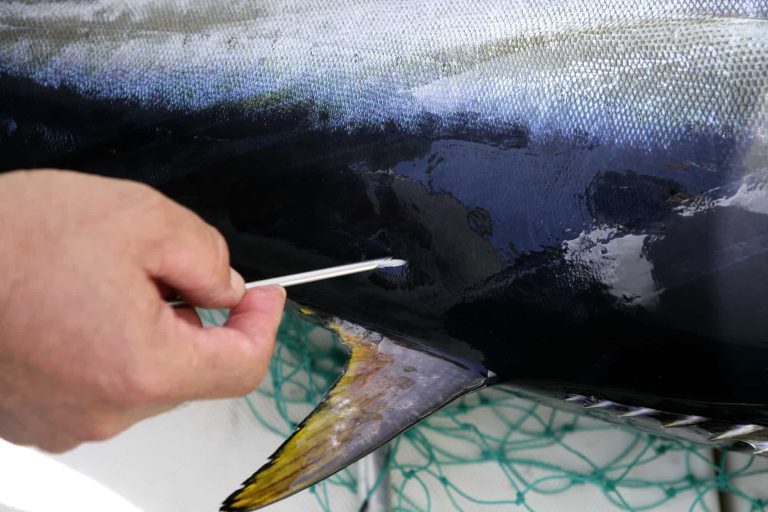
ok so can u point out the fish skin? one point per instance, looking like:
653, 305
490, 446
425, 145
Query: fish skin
351, 60
580, 189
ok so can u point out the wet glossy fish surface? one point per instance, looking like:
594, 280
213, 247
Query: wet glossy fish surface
580, 188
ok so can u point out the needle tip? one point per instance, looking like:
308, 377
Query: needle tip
390, 262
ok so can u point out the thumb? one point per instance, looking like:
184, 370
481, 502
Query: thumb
232, 360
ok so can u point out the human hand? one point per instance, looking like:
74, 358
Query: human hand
88, 346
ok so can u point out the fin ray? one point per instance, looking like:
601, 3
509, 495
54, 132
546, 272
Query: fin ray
388, 385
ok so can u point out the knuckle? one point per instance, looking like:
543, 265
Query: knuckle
147, 194
160, 216
147, 200
216, 281
166, 252
157, 228
221, 250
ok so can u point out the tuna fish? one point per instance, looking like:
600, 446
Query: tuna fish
580, 189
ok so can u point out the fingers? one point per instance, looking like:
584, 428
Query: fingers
259, 313
232, 360
191, 257
188, 315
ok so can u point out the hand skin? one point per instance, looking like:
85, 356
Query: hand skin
87, 344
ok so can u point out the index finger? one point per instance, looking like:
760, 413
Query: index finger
190, 256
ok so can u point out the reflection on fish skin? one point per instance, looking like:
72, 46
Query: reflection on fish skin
579, 187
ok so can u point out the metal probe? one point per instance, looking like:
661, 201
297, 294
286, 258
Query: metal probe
317, 275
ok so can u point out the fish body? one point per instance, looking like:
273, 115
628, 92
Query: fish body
580, 188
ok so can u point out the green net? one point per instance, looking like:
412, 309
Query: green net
498, 450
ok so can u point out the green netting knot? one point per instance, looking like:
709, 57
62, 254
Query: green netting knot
723, 481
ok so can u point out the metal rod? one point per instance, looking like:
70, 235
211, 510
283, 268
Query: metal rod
317, 275
373, 481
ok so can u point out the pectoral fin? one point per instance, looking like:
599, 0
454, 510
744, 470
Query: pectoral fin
388, 386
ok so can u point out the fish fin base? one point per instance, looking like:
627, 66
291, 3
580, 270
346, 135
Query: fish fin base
388, 385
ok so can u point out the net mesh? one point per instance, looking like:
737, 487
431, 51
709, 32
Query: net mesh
496, 449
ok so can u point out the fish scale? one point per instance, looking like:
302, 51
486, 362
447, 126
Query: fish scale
579, 189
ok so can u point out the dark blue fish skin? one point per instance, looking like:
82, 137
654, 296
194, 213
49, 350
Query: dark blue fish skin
483, 215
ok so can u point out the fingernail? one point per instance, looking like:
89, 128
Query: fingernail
282, 291
236, 281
